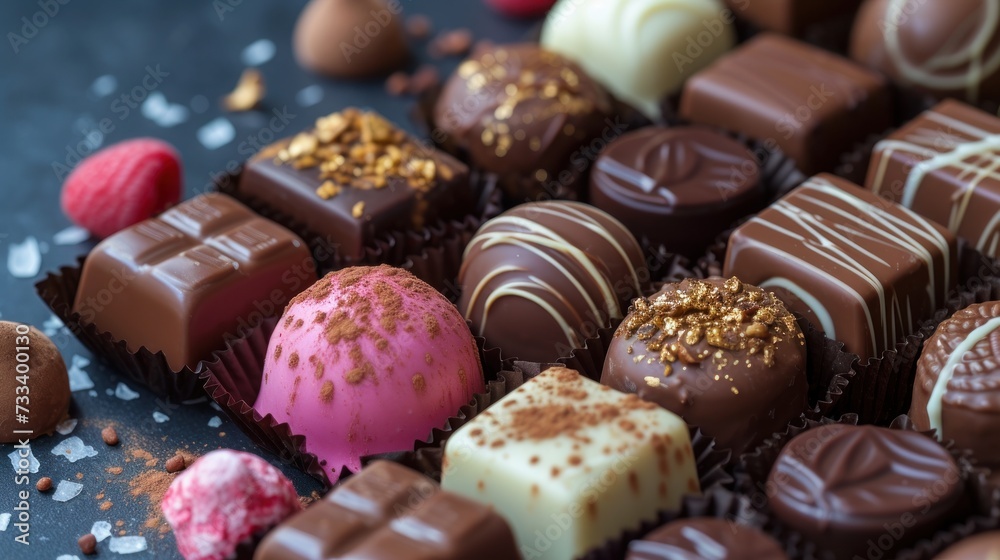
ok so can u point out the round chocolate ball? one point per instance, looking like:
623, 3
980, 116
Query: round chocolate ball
350, 38
679, 187
985, 546
724, 355
33, 369
847, 488
957, 390
705, 538
945, 48
529, 115
541, 278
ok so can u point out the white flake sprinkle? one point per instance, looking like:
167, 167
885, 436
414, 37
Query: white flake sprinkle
258, 52
104, 86
71, 236
92, 393
125, 393
79, 380
215, 405
67, 557
214, 422
66, 491
309, 96
15, 458
127, 545
24, 259
4, 521
216, 134
66, 427
101, 530
157, 109
52, 326
74, 449
160, 417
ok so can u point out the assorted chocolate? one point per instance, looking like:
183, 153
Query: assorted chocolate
541, 278
958, 378
791, 17
185, 282
811, 104
850, 488
947, 48
564, 447
864, 270
527, 115
724, 355
390, 512
620, 43
678, 187
356, 177
706, 539
943, 166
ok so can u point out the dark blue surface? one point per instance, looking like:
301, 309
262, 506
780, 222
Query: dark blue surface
48, 113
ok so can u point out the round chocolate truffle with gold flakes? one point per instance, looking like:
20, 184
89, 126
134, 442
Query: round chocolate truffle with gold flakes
725, 355
523, 113
32, 375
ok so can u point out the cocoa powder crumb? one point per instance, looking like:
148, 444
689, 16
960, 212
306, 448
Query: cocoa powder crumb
419, 384
106, 505
114, 470
326, 392
110, 436
175, 464
44, 484
293, 360
87, 544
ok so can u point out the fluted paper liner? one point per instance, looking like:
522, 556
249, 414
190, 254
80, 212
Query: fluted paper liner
58, 290
755, 467
233, 380
392, 248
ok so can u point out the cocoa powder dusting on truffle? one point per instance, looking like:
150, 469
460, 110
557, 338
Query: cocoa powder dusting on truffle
293, 360
432, 326
288, 321
318, 367
277, 352
419, 384
320, 317
295, 392
428, 359
326, 392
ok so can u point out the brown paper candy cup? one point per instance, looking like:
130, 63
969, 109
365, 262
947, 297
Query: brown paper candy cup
58, 290
233, 380
755, 467
392, 248
854, 164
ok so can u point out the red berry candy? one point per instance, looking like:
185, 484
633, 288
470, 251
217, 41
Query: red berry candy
123, 185
521, 8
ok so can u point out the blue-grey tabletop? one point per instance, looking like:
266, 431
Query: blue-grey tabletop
76, 76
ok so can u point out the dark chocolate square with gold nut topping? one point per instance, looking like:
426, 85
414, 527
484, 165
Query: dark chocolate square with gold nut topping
356, 177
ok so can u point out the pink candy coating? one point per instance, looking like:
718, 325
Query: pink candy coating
368, 360
223, 499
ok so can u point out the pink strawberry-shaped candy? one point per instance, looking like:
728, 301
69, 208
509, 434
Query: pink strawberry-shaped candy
123, 185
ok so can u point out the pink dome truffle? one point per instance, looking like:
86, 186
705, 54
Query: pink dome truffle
223, 499
368, 360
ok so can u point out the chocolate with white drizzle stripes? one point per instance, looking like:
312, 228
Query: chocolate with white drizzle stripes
945, 166
864, 269
534, 277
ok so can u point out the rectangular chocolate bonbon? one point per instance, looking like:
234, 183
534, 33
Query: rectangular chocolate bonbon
390, 512
863, 269
356, 177
810, 103
945, 166
181, 282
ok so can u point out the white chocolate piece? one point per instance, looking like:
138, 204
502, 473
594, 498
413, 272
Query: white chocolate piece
641, 50
571, 463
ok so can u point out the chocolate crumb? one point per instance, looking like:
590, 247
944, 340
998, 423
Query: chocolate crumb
106, 505
44, 484
397, 84
419, 26
451, 43
175, 464
110, 436
87, 544
114, 470
424, 79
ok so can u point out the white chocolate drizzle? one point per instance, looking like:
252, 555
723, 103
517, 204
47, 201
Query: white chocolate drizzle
934, 403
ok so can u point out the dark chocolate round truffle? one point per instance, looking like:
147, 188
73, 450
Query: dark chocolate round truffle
957, 390
679, 187
705, 539
849, 488
540, 278
724, 355
526, 114
945, 48
350, 38
29, 359
985, 546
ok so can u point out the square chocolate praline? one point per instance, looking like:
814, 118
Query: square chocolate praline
791, 17
184, 282
861, 268
945, 166
354, 178
811, 104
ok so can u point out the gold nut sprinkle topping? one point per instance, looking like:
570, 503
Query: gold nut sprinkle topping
248, 92
698, 319
361, 150
358, 210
